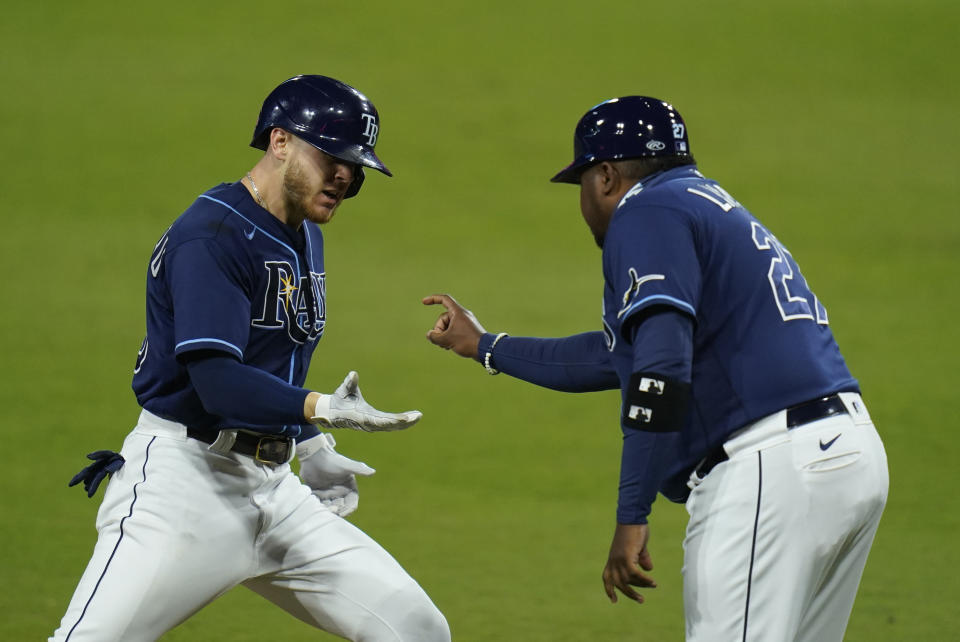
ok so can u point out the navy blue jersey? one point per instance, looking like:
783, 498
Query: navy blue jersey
229, 277
761, 341
741, 327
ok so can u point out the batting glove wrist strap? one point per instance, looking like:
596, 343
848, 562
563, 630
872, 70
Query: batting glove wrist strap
312, 445
346, 408
487, 359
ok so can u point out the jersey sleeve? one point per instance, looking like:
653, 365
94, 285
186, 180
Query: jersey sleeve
244, 395
662, 344
211, 303
579, 363
643, 463
650, 260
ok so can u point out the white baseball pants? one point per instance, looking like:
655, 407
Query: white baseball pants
779, 534
181, 525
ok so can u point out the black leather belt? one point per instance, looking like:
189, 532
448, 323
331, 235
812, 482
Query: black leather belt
267, 449
815, 410
798, 415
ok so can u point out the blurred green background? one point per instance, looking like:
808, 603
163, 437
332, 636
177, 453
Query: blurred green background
833, 121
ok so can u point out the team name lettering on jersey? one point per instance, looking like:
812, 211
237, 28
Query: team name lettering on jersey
302, 302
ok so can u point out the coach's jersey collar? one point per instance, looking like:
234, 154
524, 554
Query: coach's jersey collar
659, 177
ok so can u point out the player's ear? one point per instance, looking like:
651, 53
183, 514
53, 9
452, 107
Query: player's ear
279, 142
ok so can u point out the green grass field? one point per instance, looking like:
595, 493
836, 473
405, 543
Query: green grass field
834, 122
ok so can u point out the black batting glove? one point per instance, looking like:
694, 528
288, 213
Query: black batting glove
105, 462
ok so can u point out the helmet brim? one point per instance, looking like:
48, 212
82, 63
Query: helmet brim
356, 154
572, 172
569, 174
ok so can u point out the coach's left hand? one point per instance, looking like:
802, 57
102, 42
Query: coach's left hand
628, 554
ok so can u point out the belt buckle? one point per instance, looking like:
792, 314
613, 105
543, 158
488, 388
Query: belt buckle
263, 455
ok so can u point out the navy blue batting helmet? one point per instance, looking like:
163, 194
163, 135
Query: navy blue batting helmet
330, 115
627, 127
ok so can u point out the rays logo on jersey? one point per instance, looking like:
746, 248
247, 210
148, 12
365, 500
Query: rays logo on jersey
301, 302
635, 282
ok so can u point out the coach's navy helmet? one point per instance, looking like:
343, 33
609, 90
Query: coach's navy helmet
330, 115
627, 127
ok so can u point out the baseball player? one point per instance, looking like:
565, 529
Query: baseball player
202, 497
735, 397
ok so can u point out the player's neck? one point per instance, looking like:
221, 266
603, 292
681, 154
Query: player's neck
266, 194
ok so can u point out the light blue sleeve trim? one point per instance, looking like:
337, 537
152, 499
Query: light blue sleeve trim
210, 340
683, 305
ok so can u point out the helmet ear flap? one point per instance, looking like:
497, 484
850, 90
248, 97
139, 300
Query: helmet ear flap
355, 185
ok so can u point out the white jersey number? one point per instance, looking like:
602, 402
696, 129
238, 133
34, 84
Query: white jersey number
794, 299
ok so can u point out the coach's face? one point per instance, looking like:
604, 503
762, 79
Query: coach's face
314, 183
595, 202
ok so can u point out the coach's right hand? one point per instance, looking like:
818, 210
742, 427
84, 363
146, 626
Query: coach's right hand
456, 329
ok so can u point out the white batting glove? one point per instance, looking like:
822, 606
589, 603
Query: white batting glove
346, 408
330, 475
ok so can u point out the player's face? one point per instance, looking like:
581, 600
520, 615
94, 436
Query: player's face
314, 183
592, 204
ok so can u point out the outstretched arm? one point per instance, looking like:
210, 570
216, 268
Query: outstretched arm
247, 397
578, 363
